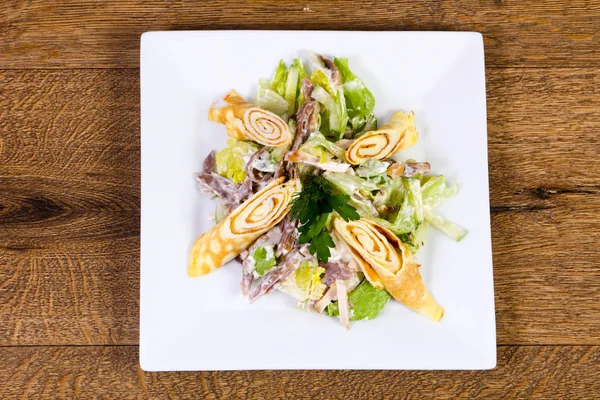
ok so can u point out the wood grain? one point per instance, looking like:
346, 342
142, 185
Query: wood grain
83, 291
77, 33
69, 205
70, 201
112, 372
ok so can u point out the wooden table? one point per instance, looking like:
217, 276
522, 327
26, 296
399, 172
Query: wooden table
70, 196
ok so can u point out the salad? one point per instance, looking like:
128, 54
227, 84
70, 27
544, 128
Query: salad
314, 198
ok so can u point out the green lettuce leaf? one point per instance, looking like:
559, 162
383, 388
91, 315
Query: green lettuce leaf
362, 207
320, 78
221, 211
435, 191
264, 259
278, 152
341, 105
391, 195
403, 197
333, 111
317, 140
415, 197
291, 87
301, 74
349, 184
230, 163
372, 168
361, 125
270, 100
359, 100
367, 302
330, 115
280, 79
305, 283
450, 229
405, 220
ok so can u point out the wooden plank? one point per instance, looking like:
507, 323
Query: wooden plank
543, 137
69, 205
113, 372
76, 33
85, 290
70, 159
84, 125
65, 297
547, 273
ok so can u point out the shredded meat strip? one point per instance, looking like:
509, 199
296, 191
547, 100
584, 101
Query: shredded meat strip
408, 169
336, 77
289, 234
277, 274
270, 238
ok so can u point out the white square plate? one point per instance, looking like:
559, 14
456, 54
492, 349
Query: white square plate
205, 323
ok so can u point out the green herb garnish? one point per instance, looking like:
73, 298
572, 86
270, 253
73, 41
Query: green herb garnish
312, 207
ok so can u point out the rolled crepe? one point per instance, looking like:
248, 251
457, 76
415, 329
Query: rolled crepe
387, 263
245, 121
244, 225
397, 134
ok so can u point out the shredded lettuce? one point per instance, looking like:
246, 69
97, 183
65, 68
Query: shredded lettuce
435, 191
264, 259
405, 220
305, 283
404, 203
314, 63
375, 171
231, 161
415, 197
349, 184
450, 229
282, 94
367, 302
341, 105
320, 78
359, 100
391, 195
359, 125
280, 79
333, 110
278, 152
330, 116
291, 87
416, 239
317, 140
270, 100
410, 205
372, 168
301, 74
220, 211
362, 207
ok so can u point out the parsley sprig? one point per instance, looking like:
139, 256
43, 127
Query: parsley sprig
312, 207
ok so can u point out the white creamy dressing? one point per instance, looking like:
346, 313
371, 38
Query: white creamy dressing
264, 164
340, 252
336, 254
269, 250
